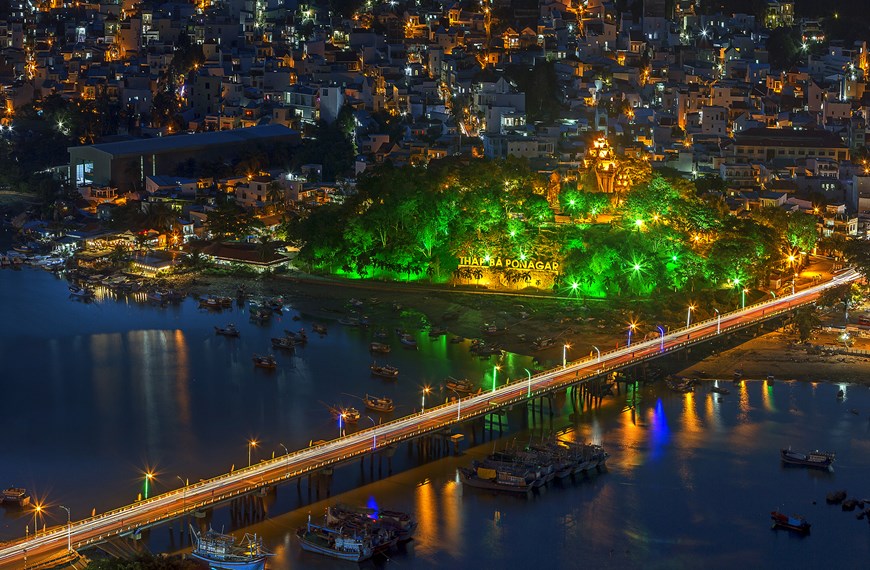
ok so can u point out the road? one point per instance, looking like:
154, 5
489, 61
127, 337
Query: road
172, 504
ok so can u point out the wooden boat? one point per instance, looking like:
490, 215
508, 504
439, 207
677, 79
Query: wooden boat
284, 343
381, 334
379, 347
720, 390
815, 458
503, 480
408, 341
319, 329
300, 336
348, 415
770, 379
334, 543
80, 292
542, 343
382, 404
462, 386
793, 522
400, 526
436, 332
229, 330
384, 370
265, 361
16, 496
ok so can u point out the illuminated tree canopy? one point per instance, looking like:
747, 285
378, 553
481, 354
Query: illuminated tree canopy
415, 223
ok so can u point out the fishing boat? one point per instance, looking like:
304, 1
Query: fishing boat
815, 458
319, 329
462, 386
379, 347
436, 332
541, 343
221, 550
348, 415
265, 361
276, 304
349, 321
299, 337
793, 522
456, 340
408, 341
16, 496
720, 390
229, 330
381, 334
379, 404
502, 480
334, 542
80, 292
384, 370
400, 526
770, 379
284, 343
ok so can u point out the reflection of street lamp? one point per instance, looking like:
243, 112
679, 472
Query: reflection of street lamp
251, 444
68, 529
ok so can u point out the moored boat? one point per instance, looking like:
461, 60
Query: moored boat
80, 292
384, 371
399, 526
229, 330
319, 329
221, 550
815, 458
379, 404
462, 386
334, 543
265, 361
408, 341
284, 343
494, 479
16, 496
348, 415
793, 522
379, 347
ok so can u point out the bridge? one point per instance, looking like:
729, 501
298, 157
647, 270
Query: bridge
167, 506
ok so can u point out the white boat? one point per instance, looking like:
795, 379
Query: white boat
221, 551
334, 543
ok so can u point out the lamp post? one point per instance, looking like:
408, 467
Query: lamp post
340, 417
631, 328
458, 402
743, 298
37, 510
374, 433
495, 370
251, 445
598, 351
718, 321
423, 405
565, 348
68, 529
529, 391
183, 492
286, 451
689, 315
148, 477
662, 332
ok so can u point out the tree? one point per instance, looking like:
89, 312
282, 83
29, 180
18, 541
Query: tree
228, 220
805, 321
857, 253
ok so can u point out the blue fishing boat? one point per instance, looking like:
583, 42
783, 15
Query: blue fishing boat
221, 550
334, 542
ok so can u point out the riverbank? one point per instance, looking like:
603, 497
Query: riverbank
779, 353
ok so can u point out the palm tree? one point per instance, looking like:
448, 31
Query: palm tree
161, 216
264, 247
275, 195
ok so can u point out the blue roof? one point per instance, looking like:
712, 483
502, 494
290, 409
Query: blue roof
188, 142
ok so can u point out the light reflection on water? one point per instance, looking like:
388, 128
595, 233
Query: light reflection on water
690, 482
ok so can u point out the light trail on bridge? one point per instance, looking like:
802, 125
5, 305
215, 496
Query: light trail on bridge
292, 465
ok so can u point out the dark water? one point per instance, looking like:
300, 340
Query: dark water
96, 393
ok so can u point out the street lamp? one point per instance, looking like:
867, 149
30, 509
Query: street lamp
529, 391
565, 348
743, 298
495, 370
662, 331
689, 315
341, 416
68, 529
598, 351
374, 433
149, 476
183, 492
251, 444
287, 451
458, 402
718, 321
426, 390
631, 327
37, 510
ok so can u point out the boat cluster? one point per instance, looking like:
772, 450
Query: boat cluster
521, 470
356, 533
13, 259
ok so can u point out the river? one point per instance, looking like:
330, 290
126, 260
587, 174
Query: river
97, 393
